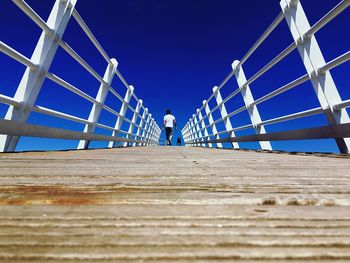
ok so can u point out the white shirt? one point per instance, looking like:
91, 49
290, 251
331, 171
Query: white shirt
169, 120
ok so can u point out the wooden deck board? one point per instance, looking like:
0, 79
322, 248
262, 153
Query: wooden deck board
169, 204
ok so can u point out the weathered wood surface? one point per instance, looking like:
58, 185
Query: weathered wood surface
170, 204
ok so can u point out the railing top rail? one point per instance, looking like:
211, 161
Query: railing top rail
327, 18
90, 35
262, 38
33, 15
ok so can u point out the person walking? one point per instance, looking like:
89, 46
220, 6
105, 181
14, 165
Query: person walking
169, 124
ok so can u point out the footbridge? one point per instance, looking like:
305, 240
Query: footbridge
135, 201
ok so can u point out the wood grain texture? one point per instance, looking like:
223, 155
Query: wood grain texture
167, 204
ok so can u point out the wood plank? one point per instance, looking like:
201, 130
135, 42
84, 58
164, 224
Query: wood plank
170, 204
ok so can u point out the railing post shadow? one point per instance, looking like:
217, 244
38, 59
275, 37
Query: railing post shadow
224, 117
100, 101
311, 54
248, 100
32, 80
211, 123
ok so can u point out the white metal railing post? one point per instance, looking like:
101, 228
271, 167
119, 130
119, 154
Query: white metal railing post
122, 113
248, 101
133, 121
223, 113
155, 135
184, 134
100, 101
32, 80
151, 128
159, 133
152, 140
198, 129
146, 130
205, 130
143, 136
211, 123
149, 123
190, 134
194, 133
150, 133
313, 60
140, 127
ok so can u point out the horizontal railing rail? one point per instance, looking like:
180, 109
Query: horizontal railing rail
323, 132
197, 130
25, 129
142, 131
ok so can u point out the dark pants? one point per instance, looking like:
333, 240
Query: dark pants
169, 133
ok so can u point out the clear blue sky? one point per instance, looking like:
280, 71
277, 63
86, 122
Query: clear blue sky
174, 52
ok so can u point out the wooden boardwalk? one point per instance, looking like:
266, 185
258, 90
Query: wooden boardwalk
167, 204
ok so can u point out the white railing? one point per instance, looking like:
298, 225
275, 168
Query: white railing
37, 69
196, 131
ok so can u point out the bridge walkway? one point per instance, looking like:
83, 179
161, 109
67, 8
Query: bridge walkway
168, 204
